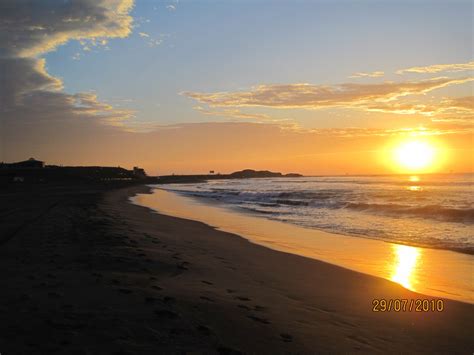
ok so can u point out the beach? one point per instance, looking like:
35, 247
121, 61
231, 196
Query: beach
88, 272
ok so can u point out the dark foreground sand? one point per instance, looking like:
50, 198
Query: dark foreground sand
85, 272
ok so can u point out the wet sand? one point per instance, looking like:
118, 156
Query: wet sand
86, 272
435, 272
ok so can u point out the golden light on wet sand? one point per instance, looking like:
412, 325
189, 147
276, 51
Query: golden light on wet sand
406, 259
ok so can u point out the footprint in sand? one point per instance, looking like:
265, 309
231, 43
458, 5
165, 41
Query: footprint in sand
224, 350
241, 298
168, 299
182, 266
164, 313
24, 297
205, 298
259, 319
204, 330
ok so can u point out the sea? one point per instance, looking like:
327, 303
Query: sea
434, 211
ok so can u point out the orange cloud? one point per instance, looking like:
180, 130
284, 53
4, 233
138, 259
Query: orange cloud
235, 113
309, 96
438, 68
375, 74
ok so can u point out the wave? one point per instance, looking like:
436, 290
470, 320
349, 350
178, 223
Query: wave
438, 204
429, 211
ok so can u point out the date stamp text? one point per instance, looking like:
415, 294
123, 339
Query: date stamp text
407, 305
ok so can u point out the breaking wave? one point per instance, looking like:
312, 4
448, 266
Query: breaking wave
436, 212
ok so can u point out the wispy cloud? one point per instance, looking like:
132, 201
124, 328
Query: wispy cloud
235, 113
438, 68
151, 41
375, 74
309, 96
463, 103
171, 7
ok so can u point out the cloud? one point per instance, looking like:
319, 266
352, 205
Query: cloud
171, 7
462, 103
309, 96
150, 41
438, 68
29, 29
153, 42
21, 76
375, 74
447, 109
234, 113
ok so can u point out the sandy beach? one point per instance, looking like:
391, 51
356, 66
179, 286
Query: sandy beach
87, 272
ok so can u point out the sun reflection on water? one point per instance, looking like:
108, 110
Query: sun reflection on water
406, 259
413, 179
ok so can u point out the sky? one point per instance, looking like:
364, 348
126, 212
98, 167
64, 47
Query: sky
317, 87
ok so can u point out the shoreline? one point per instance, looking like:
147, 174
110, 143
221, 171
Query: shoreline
205, 201
351, 299
435, 272
98, 274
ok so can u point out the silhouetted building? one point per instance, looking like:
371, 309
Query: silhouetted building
139, 172
33, 170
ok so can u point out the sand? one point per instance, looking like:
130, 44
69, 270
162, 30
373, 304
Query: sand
86, 272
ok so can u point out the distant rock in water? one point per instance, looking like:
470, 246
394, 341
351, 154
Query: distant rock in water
249, 173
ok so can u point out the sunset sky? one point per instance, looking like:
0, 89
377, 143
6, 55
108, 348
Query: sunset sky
317, 87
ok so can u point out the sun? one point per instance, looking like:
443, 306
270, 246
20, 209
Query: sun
415, 155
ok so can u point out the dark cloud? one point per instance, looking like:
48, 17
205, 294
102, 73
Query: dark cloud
32, 99
31, 27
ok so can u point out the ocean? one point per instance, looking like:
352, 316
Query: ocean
434, 211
